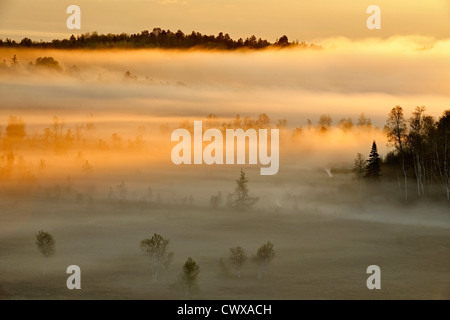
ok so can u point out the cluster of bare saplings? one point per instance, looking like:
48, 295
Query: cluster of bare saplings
420, 147
156, 249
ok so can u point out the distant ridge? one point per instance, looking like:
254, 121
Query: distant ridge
158, 38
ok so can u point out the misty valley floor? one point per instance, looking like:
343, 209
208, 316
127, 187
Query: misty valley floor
123, 106
318, 256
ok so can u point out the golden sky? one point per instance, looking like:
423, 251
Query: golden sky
299, 19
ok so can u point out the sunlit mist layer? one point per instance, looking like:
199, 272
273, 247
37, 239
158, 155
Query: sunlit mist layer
344, 79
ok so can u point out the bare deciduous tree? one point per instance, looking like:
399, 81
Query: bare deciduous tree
188, 277
397, 134
157, 250
325, 122
363, 121
416, 139
216, 200
237, 259
46, 245
263, 257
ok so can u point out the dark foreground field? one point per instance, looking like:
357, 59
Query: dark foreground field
318, 255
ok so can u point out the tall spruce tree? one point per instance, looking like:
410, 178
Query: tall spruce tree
373, 164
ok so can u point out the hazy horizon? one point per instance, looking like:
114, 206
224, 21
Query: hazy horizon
301, 20
344, 79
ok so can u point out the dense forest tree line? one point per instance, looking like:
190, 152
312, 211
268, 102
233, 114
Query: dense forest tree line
158, 38
421, 150
420, 153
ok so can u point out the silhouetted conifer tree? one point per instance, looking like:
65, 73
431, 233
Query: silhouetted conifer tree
373, 164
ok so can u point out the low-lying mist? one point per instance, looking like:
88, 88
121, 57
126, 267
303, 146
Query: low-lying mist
123, 104
85, 154
344, 79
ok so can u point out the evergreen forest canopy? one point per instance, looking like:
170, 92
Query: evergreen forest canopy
158, 38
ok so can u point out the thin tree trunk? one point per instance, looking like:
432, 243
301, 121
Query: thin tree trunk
406, 188
398, 181
360, 190
416, 171
420, 175
260, 272
406, 178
